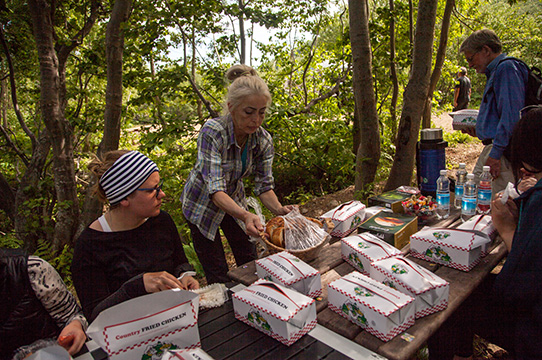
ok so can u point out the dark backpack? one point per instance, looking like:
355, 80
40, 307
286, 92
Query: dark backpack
533, 88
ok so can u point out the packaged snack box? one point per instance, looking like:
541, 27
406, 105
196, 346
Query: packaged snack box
463, 119
395, 229
346, 217
380, 310
456, 248
186, 354
275, 310
483, 224
148, 326
286, 269
390, 199
361, 250
429, 290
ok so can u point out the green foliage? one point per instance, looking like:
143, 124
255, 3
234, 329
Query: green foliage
456, 137
192, 257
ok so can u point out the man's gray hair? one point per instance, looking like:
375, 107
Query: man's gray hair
480, 38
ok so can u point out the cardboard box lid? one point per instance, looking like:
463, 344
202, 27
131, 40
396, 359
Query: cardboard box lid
481, 223
388, 223
286, 267
464, 240
465, 112
412, 276
374, 295
371, 246
344, 211
274, 299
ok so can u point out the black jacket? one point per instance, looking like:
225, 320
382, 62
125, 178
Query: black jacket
23, 319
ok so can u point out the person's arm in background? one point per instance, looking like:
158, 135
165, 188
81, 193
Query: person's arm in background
59, 303
456, 95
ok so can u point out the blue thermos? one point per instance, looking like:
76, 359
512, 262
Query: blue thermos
430, 159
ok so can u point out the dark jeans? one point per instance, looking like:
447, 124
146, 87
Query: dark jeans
211, 252
482, 314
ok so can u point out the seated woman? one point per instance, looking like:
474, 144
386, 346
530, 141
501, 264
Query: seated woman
134, 248
36, 308
507, 310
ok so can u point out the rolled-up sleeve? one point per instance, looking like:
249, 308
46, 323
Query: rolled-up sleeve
211, 161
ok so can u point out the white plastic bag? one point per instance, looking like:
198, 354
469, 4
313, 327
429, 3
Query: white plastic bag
253, 203
301, 233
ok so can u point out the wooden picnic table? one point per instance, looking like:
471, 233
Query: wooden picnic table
404, 346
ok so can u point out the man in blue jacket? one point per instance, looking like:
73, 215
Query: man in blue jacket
504, 96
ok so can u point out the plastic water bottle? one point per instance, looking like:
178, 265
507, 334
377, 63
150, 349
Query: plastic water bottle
461, 177
443, 195
468, 201
484, 191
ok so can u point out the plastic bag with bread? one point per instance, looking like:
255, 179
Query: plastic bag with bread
295, 231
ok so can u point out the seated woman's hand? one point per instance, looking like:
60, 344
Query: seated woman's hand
189, 283
72, 337
286, 209
159, 281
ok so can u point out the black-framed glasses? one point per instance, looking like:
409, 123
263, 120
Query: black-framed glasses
528, 108
470, 58
157, 188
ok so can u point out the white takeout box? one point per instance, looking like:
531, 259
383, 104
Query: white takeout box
380, 310
186, 354
456, 248
286, 269
429, 290
361, 250
346, 217
148, 325
484, 224
463, 119
275, 310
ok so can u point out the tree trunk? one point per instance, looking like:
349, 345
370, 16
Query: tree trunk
114, 48
414, 97
114, 52
368, 153
441, 54
393, 73
52, 103
242, 37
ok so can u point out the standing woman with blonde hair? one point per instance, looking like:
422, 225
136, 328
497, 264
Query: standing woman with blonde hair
134, 248
230, 148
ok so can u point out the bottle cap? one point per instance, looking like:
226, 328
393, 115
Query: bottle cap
486, 168
470, 176
462, 165
443, 172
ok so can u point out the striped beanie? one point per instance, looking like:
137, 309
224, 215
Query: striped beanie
126, 175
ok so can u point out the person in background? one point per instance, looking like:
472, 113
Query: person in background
134, 248
462, 90
506, 310
504, 96
36, 308
231, 148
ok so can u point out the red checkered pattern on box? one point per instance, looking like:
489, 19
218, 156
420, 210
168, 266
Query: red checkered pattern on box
435, 242
357, 299
156, 338
443, 305
384, 337
308, 327
277, 276
449, 264
269, 312
406, 286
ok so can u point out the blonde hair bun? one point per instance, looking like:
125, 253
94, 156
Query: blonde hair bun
237, 71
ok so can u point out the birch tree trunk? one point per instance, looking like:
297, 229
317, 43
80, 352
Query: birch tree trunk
439, 61
368, 153
414, 96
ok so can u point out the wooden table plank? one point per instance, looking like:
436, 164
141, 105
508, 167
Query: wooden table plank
257, 349
289, 352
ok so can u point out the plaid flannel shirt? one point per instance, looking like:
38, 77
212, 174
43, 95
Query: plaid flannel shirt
219, 168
